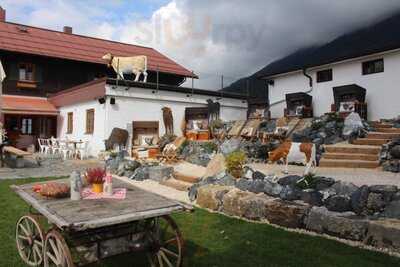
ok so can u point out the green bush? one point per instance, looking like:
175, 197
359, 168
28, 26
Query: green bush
235, 162
309, 181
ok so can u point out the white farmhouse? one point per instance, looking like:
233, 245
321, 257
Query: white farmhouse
368, 58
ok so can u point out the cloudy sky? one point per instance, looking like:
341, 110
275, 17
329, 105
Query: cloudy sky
233, 38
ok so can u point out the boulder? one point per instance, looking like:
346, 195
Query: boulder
210, 196
140, 174
289, 193
395, 152
230, 145
359, 199
215, 166
287, 214
254, 206
338, 203
225, 178
345, 225
311, 196
344, 188
271, 188
243, 184
232, 203
160, 173
256, 186
289, 180
392, 210
258, 175
375, 203
386, 190
384, 233
323, 183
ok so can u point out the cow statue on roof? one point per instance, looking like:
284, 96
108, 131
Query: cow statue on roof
136, 65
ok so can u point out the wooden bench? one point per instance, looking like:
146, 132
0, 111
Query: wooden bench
16, 155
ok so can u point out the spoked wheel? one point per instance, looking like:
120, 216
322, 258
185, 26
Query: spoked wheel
30, 241
56, 251
167, 244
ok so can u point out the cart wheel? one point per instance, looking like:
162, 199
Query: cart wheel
168, 244
56, 251
29, 239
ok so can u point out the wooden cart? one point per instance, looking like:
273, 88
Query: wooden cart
86, 231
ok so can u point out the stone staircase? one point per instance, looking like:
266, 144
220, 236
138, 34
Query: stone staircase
363, 152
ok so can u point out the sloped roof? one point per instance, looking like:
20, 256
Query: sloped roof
13, 104
38, 41
379, 37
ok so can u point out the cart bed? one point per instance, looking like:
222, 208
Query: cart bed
80, 215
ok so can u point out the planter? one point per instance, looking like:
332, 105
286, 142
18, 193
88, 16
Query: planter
97, 188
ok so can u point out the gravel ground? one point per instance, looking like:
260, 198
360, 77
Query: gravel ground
357, 176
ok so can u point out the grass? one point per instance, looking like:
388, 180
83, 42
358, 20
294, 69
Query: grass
215, 240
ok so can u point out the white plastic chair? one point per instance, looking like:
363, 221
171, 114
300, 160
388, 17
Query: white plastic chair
65, 151
43, 146
55, 146
81, 150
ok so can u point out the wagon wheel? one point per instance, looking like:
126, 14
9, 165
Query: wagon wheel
167, 248
30, 241
56, 251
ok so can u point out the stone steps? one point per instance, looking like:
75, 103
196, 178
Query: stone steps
370, 141
381, 125
345, 163
177, 184
349, 156
353, 149
388, 130
382, 135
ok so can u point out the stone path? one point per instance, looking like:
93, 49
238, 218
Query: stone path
357, 176
49, 168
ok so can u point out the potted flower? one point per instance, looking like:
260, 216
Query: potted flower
95, 177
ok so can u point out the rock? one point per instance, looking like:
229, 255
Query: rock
384, 233
215, 166
287, 214
248, 172
386, 190
344, 188
345, 225
160, 173
193, 190
311, 196
225, 178
395, 152
375, 203
140, 174
289, 193
230, 145
258, 175
254, 206
290, 180
210, 196
271, 188
391, 166
326, 193
243, 184
256, 186
359, 199
323, 183
132, 165
352, 124
396, 196
232, 204
338, 203
392, 210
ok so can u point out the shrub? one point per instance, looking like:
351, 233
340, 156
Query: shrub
309, 181
235, 162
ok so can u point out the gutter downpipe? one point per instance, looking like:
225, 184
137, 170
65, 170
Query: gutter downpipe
310, 79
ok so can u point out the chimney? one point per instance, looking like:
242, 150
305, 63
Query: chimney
68, 29
2, 14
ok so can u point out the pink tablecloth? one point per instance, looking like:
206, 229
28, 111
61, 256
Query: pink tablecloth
118, 193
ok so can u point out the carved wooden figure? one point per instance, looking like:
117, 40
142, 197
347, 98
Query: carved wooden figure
168, 120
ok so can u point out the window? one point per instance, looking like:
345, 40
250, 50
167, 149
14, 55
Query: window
324, 76
26, 72
89, 121
26, 126
70, 125
373, 66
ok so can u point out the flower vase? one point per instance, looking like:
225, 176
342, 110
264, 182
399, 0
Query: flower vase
97, 188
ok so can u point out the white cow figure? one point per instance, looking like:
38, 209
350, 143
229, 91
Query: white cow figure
126, 65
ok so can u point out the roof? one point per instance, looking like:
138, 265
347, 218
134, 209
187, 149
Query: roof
84, 92
12, 104
97, 89
376, 38
44, 42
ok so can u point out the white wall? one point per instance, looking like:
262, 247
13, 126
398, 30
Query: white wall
383, 93
137, 104
96, 143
